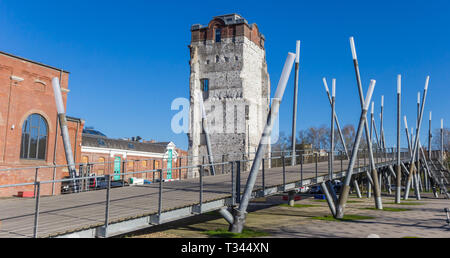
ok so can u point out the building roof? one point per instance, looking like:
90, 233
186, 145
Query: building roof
228, 19
103, 142
31, 61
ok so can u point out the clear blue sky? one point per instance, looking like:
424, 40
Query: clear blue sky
129, 59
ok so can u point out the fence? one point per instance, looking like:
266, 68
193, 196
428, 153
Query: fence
156, 182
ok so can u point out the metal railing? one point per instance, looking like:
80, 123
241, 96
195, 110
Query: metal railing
86, 181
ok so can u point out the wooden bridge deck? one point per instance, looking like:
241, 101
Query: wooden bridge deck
134, 207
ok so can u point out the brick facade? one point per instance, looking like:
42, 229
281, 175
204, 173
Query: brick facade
26, 89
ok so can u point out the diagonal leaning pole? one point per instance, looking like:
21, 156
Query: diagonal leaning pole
376, 188
65, 133
346, 189
237, 220
415, 147
355, 183
206, 132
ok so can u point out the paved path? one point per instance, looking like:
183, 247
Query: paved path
427, 219
422, 219
69, 213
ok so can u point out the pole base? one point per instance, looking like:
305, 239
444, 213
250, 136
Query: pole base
239, 221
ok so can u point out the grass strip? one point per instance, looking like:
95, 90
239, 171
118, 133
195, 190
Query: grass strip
346, 218
387, 209
299, 205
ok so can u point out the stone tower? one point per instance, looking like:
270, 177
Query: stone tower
228, 66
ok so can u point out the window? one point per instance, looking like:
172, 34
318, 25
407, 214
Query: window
34, 138
218, 35
85, 159
204, 84
101, 160
101, 142
144, 163
130, 164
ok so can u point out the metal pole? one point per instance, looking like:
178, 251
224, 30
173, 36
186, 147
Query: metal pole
416, 143
346, 188
442, 141
418, 172
381, 124
160, 194
54, 153
301, 170
263, 175
294, 112
64, 131
356, 186
206, 132
35, 180
399, 171
333, 103
407, 136
201, 187
223, 163
377, 192
108, 188
233, 185
430, 135
36, 210
238, 182
376, 133
317, 161
284, 171
240, 214
337, 120
329, 198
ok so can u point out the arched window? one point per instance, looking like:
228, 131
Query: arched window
34, 138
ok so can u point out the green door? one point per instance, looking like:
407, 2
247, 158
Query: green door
117, 167
169, 165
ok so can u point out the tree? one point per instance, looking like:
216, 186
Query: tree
284, 143
349, 134
436, 142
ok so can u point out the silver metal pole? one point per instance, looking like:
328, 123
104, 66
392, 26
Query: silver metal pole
377, 192
399, 171
333, 103
108, 198
381, 123
416, 142
346, 188
335, 117
418, 172
206, 132
376, 133
294, 112
240, 213
442, 141
407, 136
430, 135
341, 136
64, 131
329, 198
36, 210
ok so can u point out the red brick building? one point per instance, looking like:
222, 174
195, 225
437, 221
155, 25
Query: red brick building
29, 131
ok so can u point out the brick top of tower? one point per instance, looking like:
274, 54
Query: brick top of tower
231, 25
